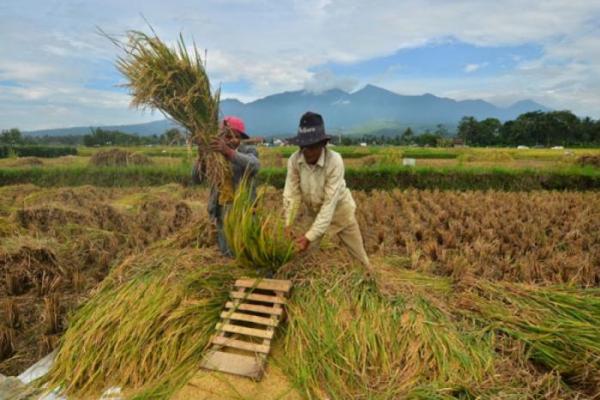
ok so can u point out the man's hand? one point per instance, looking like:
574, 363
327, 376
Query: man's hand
220, 146
302, 243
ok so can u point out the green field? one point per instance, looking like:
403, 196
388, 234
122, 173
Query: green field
366, 168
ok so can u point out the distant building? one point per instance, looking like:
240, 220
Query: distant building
458, 142
409, 162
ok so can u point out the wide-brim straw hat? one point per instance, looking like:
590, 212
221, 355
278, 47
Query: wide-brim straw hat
311, 130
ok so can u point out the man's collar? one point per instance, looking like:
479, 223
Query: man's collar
320, 161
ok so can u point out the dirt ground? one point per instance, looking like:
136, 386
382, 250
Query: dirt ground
211, 385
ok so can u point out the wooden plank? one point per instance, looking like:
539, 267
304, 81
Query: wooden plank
249, 318
258, 297
254, 308
245, 331
240, 344
232, 363
271, 329
265, 284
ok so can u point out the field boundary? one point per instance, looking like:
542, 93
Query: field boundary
377, 178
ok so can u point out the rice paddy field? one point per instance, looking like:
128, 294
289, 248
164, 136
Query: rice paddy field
354, 157
476, 294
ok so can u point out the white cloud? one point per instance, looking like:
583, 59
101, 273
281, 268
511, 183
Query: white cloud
324, 80
23, 71
276, 45
474, 67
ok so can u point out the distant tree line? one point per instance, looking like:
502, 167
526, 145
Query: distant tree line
103, 137
537, 128
437, 138
96, 138
553, 128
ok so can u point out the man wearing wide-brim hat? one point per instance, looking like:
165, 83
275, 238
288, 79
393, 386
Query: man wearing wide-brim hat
315, 177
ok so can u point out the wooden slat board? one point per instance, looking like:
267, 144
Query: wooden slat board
240, 344
261, 333
248, 318
258, 297
275, 285
243, 339
254, 308
233, 363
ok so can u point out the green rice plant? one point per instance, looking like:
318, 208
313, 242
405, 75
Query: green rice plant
559, 325
174, 81
429, 154
346, 341
36, 151
256, 233
380, 177
146, 327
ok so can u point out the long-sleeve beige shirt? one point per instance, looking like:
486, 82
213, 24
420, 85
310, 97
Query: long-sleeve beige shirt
322, 188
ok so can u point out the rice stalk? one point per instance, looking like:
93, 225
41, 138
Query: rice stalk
344, 340
559, 325
146, 328
12, 316
174, 81
255, 232
7, 342
51, 315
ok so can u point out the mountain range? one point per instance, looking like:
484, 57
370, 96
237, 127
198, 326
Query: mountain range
357, 112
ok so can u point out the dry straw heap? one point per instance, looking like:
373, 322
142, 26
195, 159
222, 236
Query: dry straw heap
56, 245
118, 158
418, 331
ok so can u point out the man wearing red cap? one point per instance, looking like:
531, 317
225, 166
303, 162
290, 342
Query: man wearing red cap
243, 159
315, 177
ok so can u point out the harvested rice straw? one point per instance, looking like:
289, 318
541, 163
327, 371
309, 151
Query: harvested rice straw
559, 325
346, 341
175, 82
256, 233
146, 327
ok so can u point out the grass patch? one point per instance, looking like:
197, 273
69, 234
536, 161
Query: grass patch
429, 154
383, 177
36, 151
387, 177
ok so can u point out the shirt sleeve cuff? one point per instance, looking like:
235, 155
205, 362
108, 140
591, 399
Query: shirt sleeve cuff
311, 235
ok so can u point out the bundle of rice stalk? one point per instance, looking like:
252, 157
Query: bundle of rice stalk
175, 82
146, 327
559, 325
346, 341
255, 232
118, 158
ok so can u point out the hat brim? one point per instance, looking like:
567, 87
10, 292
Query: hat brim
242, 135
307, 141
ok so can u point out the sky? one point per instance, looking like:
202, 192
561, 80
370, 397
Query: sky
57, 71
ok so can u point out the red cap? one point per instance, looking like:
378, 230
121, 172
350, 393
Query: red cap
237, 124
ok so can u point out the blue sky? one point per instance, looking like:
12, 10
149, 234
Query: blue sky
56, 71
447, 59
